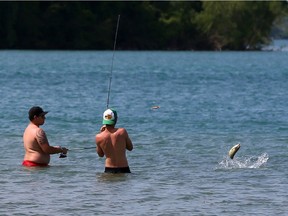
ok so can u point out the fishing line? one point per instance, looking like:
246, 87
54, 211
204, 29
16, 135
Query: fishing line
62, 155
109, 87
82, 148
110, 79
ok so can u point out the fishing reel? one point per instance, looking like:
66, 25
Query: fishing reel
62, 155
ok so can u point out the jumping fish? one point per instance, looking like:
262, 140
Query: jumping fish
233, 150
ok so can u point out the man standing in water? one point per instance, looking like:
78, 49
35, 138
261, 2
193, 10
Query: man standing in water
113, 142
36, 145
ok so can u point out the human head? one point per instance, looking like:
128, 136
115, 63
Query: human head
36, 111
110, 117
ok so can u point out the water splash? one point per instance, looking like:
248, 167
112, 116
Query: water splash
252, 162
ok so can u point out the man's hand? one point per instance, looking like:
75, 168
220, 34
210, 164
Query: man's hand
64, 150
103, 128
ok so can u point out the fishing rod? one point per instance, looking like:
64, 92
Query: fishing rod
110, 79
62, 155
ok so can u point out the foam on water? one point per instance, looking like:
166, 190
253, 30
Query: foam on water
251, 162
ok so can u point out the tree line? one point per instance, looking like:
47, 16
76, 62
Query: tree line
144, 25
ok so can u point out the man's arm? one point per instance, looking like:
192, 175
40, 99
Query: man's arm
129, 145
99, 150
44, 144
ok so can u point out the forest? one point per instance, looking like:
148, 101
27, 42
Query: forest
144, 25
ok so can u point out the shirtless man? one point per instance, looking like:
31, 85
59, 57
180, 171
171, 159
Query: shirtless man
113, 142
36, 145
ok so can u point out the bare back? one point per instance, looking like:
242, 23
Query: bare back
112, 143
33, 137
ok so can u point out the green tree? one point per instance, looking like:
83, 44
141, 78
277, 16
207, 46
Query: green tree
238, 25
180, 29
144, 25
27, 25
8, 35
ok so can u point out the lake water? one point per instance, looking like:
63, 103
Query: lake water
209, 101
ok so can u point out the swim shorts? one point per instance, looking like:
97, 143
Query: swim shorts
117, 170
33, 164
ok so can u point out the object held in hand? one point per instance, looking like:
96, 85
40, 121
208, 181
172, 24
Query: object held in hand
62, 155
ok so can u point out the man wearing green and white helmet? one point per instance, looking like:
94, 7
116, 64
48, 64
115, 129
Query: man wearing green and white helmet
113, 142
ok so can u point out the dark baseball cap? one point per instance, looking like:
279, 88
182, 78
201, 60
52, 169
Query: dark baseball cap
36, 111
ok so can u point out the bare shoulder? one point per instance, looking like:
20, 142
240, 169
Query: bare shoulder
99, 136
41, 136
31, 131
40, 132
121, 129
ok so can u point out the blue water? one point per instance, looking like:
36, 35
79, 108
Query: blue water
209, 101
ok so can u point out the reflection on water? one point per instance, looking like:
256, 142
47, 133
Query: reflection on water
112, 177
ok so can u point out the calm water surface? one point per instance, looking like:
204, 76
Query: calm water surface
209, 101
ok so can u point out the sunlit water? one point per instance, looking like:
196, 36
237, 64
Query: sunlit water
209, 101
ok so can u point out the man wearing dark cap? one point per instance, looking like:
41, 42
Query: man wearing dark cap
113, 142
36, 145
